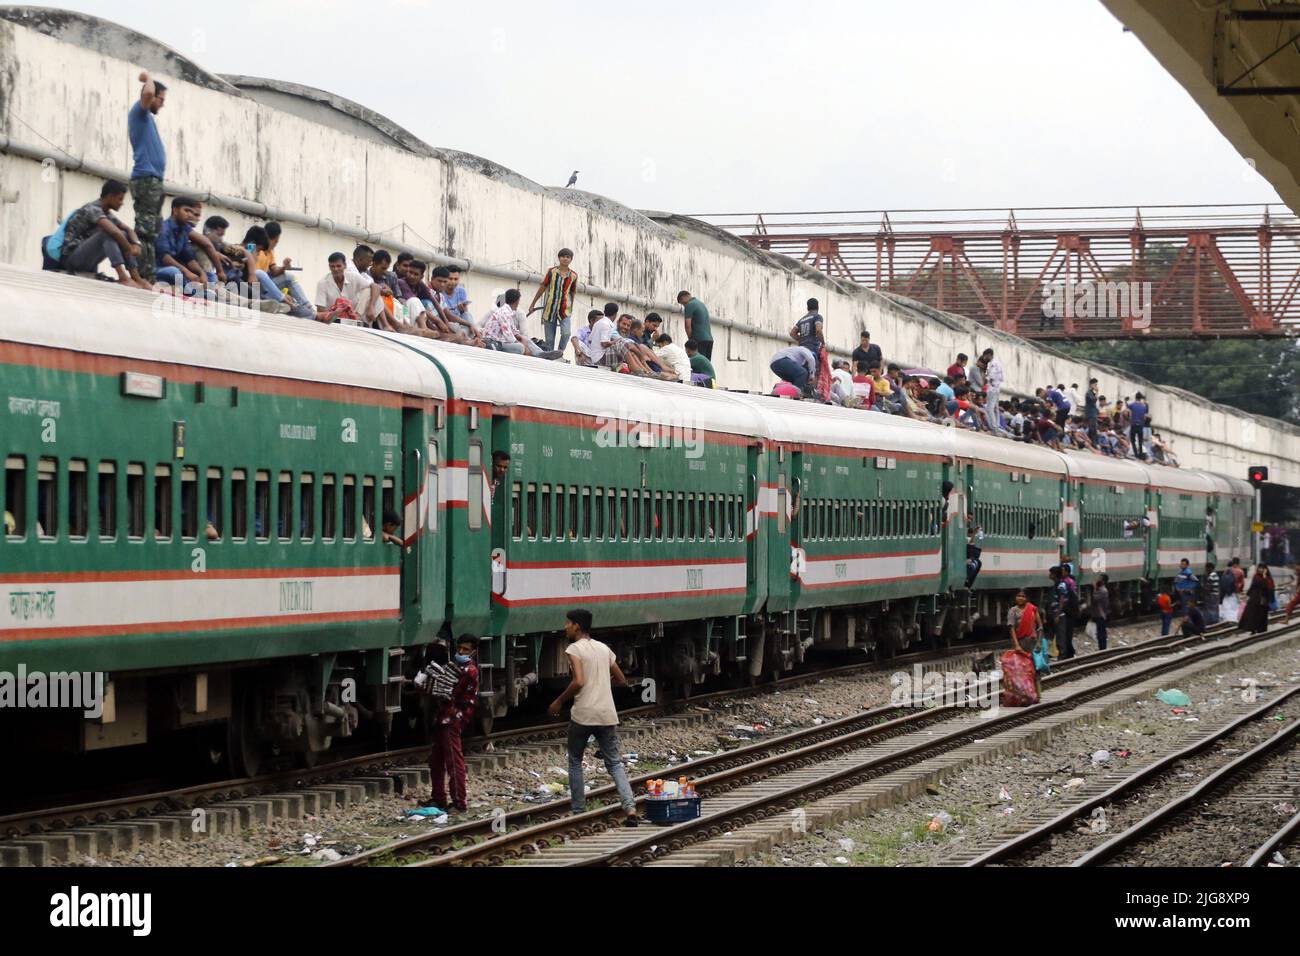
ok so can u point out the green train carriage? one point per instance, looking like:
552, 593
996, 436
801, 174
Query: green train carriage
627, 496
196, 513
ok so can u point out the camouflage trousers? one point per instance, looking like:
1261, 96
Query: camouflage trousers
147, 198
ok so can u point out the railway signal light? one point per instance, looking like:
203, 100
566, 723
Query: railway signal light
1258, 474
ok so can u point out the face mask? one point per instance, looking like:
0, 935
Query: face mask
462, 659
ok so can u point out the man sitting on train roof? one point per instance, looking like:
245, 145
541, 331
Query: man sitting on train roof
91, 234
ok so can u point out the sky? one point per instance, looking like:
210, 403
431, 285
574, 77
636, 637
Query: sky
729, 107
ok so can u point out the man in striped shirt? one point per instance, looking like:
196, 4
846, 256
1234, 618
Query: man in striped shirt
559, 287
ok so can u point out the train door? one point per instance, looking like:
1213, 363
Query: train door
953, 524
792, 542
757, 536
1151, 536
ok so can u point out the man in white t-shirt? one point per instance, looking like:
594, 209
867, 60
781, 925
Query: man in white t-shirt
673, 357
594, 666
340, 284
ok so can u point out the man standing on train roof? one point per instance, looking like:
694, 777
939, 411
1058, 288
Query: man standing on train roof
447, 758
593, 666
698, 325
810, 333
559, 286
147, 172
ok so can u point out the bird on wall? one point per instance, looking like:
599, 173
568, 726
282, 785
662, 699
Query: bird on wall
572, 179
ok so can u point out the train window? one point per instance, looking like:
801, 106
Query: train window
648, 518
388, 497
262, 505
545, 499
713, 525
559, 513
307, 505
586, 513
679, 523
214, 511
189, 503
657, 525
284, 506
78, 499
634, 504
15, 504
598, 514
517, 511
107, 497
349, 507
47, 498
368, 524
532, 511
618, 514
135, 500
805, 522
475, 503
573, 512
668, 523
329, 508
162, 502
238, 504
690, 516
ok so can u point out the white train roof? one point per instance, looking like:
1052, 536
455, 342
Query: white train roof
1178, 479
798, 422
501, 378
1003, 451
101, 318
1093, 467
1228, 486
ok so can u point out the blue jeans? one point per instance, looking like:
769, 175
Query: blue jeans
549, 328
607, 741
1101, 632
788, 370
285, 283
170, 275
268, 286
1165, 621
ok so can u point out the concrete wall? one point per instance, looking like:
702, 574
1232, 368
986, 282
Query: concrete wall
75, 96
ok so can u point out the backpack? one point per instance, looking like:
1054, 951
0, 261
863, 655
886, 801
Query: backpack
1071, 597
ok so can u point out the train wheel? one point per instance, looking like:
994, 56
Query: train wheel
243, 739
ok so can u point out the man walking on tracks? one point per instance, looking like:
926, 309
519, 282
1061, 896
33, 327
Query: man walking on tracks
447, 759
593, 666
147, 173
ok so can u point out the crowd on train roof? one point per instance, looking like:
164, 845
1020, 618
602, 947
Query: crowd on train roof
406, 295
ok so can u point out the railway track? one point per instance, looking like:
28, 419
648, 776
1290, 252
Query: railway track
1235, 792
1035, 832
384, 771
747, 784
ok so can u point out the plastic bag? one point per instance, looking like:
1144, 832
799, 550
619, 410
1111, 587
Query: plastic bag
1019, 681
1091, 630
1042, 663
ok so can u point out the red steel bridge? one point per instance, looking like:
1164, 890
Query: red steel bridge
1063, 272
